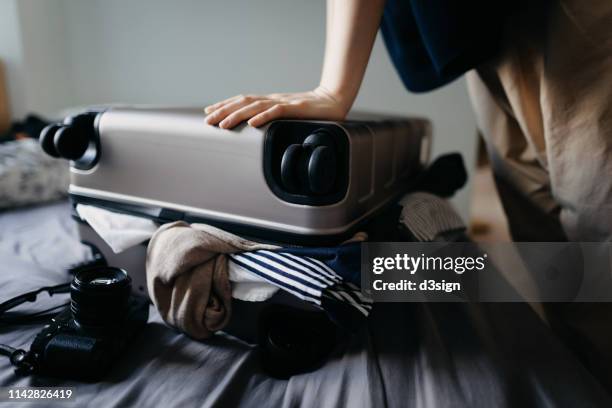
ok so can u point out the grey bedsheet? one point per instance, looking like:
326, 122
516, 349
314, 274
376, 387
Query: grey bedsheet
410, 355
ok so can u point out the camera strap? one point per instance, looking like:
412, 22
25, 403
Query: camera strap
31, 296
97, 260
24, 361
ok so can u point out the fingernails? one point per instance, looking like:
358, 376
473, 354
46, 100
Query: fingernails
224, 124
208, 109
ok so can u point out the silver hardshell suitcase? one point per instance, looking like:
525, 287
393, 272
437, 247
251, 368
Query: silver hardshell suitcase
297, 182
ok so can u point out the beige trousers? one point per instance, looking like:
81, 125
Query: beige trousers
544, 107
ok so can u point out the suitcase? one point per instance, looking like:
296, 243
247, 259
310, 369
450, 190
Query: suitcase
292, 182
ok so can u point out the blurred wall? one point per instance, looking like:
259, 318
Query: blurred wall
11, 55
33, 49
196, 51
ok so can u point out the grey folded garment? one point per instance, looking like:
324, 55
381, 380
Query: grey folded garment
187, 275
430, 218
29, 176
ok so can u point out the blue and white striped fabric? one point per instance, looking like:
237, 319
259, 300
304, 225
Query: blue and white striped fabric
307, 278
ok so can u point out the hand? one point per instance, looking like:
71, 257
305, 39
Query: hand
258, 110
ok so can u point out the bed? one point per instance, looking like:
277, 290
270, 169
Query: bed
409, 355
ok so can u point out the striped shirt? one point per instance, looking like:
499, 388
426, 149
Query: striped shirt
304, 277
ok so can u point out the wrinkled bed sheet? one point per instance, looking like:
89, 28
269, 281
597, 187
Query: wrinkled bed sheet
410, 355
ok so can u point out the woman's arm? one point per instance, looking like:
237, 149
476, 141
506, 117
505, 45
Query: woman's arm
351, 30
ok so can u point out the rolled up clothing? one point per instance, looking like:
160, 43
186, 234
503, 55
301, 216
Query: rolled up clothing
187, 275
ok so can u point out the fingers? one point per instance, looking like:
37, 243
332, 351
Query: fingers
231, 106
274, 112
215, 106
297, 109
259, 110
245, 113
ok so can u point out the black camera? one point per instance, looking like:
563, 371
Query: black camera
86, 338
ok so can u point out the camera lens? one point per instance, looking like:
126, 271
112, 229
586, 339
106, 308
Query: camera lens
99, 296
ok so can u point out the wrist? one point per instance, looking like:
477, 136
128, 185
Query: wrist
342, 99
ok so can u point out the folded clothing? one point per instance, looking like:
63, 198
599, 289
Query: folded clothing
187, 275
29, 176
119, 231
123, 231
344, 260
248, 286
430, 218
315, 275
189, 268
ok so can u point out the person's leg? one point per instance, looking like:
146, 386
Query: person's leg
545, 108
576, 101
522, 182
549, 113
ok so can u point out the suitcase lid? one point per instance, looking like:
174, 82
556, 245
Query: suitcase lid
167, 163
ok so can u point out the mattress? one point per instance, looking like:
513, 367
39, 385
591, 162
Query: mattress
408, 355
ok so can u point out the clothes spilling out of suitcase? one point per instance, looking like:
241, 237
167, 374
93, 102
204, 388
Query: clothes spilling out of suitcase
275, 261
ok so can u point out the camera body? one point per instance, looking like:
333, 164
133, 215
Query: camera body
85, 339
